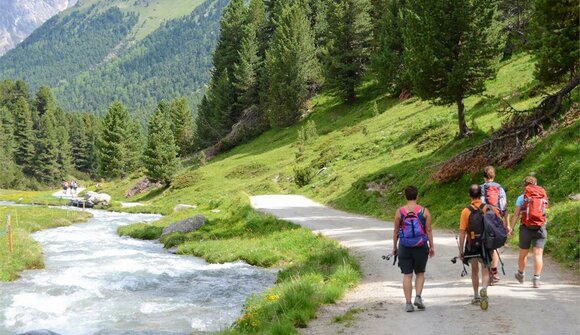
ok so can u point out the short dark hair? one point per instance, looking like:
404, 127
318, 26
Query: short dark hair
411, 193
475, 191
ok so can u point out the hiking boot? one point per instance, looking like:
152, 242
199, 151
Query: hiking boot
476, 301
520, 277
419, 303
409, 307
536, 281
484, 299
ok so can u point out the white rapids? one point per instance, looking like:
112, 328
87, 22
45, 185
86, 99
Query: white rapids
96, 282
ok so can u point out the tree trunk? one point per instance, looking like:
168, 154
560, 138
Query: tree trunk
463, 129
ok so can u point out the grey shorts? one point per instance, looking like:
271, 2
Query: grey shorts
413, 259
532, 237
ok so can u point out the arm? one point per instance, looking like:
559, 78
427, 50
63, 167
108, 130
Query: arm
515, 218
462, 235
397, 224
429, 228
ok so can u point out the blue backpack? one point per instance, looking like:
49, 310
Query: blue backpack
412, 232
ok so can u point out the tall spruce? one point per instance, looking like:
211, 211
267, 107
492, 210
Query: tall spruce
388, 61
555, 39
222, 100
291, 65
450, 48
134, 146
112, 142
24, 136
47, 167
231, 33
182, 124
246, 70
160, 157
349, 39
204, 130
44, 101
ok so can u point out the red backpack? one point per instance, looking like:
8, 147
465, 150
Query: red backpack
534, 207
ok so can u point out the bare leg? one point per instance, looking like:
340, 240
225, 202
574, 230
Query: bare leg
494, 259
408, 286
523, 260
539, 261
475, 276
485, 276
419, 282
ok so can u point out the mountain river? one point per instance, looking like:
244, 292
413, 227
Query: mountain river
96, 282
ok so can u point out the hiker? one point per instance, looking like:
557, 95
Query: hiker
413, 232
65, 187
474, 252
74, 186
492, 193
532, 206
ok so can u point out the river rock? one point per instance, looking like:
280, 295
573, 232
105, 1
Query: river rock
181, 207
185, 226
40, 332
98, 198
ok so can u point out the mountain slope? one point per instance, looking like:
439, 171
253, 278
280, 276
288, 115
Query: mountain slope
19, 18
136, 51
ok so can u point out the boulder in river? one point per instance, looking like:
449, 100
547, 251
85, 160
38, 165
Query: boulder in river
185, 226
39, 332
98, 198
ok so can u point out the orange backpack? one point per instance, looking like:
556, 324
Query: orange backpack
535, 206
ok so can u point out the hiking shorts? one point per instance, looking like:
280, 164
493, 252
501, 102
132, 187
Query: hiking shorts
413, 259
477, 256
532, 237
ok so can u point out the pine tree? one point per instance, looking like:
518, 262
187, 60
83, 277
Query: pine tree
78, 140
349, 40
64, 157
8, 177
112, 141
24, 136
388, 62
182, 125
222, 102
231, 33
555, 40
44, 101
160, 157
204, 130
291, 65
7, 123
133, 147
257, 19
450, 48
246, 70
47, 167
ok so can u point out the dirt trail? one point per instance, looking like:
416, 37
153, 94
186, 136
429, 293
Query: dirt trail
514, 308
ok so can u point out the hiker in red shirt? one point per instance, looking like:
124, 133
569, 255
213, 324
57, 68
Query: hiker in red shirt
532, 205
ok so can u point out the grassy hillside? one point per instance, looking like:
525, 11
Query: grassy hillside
401, 145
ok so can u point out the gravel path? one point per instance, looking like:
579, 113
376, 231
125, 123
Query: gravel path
514, 308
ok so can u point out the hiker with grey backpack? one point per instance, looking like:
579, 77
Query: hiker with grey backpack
481, 230
413, 245
493, 194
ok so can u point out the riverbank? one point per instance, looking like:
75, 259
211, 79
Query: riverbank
27, 253
314, 270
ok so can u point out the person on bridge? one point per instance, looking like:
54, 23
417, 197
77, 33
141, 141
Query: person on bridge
414, 235
493, 194
533, 207
474, 252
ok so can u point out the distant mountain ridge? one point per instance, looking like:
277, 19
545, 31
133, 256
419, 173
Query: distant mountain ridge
19, 18
138, 52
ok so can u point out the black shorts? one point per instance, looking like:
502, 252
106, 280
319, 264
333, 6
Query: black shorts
535, 237
481, 255
413, 259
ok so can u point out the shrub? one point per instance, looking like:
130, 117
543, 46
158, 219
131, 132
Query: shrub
303, 175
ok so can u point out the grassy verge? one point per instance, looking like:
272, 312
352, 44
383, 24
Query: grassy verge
45, 198
27, 253
314, 270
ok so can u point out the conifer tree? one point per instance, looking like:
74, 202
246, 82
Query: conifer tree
112, 142
64, 157
47, 167
388, 61
44, 101
349, 40
78, 140
8, 177
291, 65
24, 136
134, 146
257, 19
450, 48
182, 124
246, 70
160, 157
222, 102
231, 33
204, 131
555, 40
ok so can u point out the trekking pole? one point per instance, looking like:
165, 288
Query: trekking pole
500, 261
389, 256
